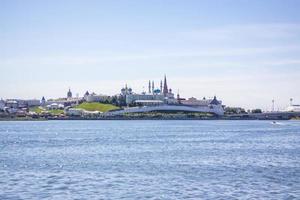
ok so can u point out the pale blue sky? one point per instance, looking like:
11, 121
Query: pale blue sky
244, 51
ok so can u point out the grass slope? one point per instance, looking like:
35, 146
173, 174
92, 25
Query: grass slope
97, 107
39, 110
36, 109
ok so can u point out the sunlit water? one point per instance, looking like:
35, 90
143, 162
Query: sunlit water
150, 160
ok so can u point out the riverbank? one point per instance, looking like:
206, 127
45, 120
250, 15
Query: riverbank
147, 117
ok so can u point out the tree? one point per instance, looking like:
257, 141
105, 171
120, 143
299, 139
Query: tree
257, 110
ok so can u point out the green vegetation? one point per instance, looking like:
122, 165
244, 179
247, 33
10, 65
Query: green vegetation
36, 109
97, 107
169, 115
257, 110
39, 110
56, 112
234, 110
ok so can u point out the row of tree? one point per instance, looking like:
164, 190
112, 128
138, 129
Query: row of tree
238, 110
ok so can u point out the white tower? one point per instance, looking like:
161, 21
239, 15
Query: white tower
77, 99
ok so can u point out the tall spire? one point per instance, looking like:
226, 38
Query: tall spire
161, 86
152, 86
149, 87
69, 94
165, 91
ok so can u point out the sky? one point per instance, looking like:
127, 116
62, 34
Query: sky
244, 51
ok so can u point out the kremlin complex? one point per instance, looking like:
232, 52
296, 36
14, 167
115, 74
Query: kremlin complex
158, 102
156, 99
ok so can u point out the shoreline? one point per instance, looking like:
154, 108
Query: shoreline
142, 118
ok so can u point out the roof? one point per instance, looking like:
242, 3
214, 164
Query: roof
12, 101
149, 101
215, 101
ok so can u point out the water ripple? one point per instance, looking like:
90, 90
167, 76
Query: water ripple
149, 160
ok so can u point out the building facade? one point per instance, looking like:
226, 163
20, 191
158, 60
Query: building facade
154, 95
95, 98
2, 104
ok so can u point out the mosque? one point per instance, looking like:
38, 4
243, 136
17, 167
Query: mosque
162, 99
154, 96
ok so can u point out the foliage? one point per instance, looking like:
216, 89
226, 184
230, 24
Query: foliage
40, 110
97, 107
257, 110
36, 109
234, 110
56, 112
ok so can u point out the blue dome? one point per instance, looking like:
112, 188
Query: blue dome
156, 91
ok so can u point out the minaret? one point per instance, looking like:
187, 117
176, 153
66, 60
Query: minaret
153, 87
149, 87
161, 86
178, 97
69, 94
165, 91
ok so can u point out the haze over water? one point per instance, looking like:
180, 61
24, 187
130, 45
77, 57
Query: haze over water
149, 160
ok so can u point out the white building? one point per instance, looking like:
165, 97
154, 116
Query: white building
154, 95
33, 102
12, 104
74, 112
293, 108
149, 102
140, 98
2, 104
95, 98
163, 99
212, 108
196, 102
55, 106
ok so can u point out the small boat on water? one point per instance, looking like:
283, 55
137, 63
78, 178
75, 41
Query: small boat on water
276, 123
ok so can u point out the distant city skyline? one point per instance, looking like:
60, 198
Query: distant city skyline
245, 52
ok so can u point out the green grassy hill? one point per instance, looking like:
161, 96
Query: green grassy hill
97, 107
39, 110
36, 109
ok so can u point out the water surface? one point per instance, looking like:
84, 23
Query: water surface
150, 160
